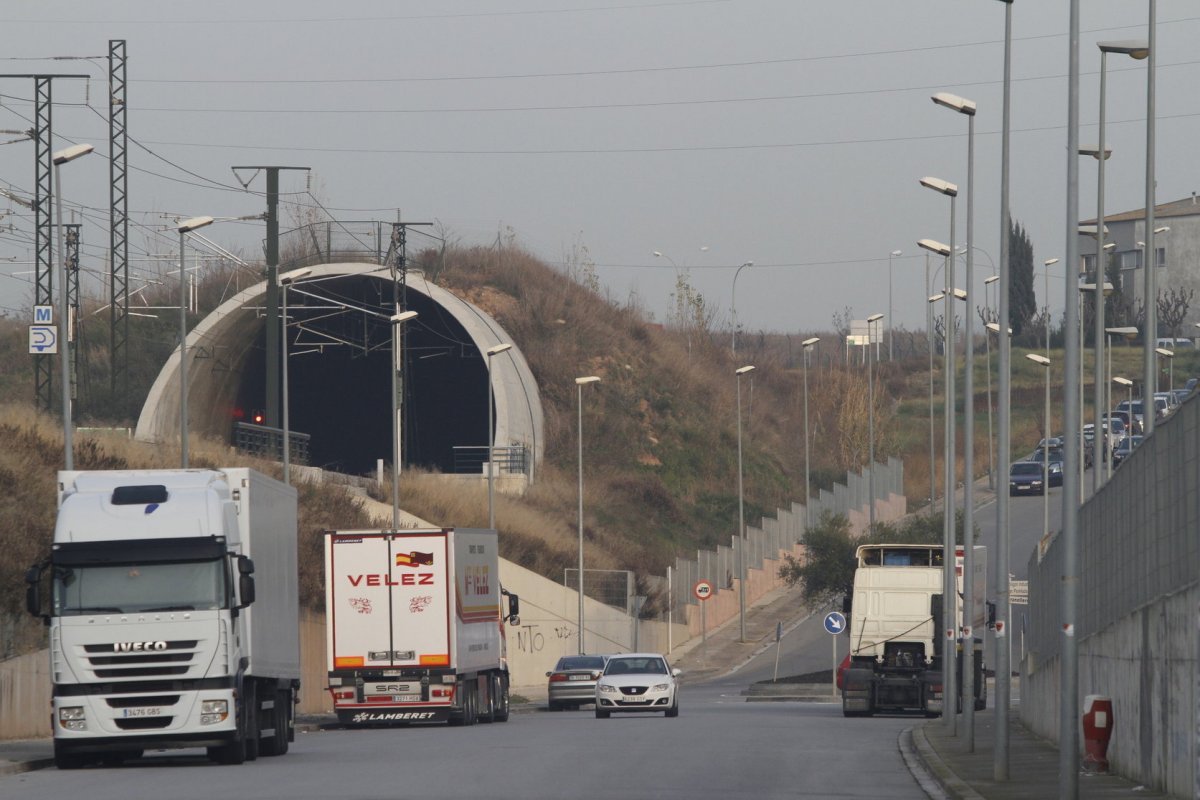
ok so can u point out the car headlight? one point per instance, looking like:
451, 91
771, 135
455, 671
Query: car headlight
662, 687
607, 689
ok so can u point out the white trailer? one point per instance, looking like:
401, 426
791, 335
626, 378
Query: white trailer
415, 627
173, 614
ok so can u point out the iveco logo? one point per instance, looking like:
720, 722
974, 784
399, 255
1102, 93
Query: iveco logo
137, 647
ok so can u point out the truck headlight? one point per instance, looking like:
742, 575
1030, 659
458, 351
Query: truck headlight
73, 718
213, 711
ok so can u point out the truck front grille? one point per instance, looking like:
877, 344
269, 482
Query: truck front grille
143, 723
162, 659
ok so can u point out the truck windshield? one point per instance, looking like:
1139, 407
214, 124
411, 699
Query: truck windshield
136, 588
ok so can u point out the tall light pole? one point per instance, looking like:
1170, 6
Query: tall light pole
988, 346
966, 107
1045, 362
185, 227
1129, 333
285, 281
1151, 260
891, 319
64, 306
1068, 743
948, 635
579, 384
739, 372
1003, 535
807, 346
733, 305
491, 353
398, 319
871, 320
1128, 384
933, 300
1098, 466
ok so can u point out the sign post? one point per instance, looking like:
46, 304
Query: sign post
835, 623
702, 591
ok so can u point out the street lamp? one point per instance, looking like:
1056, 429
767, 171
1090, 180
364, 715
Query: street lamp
492, 351
988, 347
397, 320
807, 346
286, 280
1047, 264
1129, 333
733, 305
739, 372
949, 582
1098, 469
891, 323
579, 384
966, 107
1169, 355
871, 320
1128, 384
185, 227
1045, 362
64, 306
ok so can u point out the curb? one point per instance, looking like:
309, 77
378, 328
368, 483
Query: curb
17, 767
937, 769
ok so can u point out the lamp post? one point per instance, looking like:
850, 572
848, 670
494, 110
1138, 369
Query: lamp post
1128, 384
64, 306
185, 227
579, 384
891, 323
949, 583
739, 372
807, 346
988, 347
1098, 467
966, 107
871, 320
397, 320
1129, 333
286, 280
1045, 362
1150, 293
492, 352
1001, 562
932, 300
733, 305
1169, 355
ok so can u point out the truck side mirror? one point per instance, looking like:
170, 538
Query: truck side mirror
33, 590
845, 604
245, 581
514, 607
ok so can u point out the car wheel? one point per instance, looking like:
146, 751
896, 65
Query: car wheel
553, 706
673, 711
602, 714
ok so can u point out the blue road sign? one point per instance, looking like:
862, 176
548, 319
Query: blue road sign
835, 622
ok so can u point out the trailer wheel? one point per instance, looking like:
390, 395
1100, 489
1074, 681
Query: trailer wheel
489, 707
277, 743
253, 715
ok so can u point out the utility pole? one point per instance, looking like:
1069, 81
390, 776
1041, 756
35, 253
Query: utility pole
271, 404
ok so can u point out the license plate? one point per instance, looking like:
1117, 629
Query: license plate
408, 698
636, 700
146, 711
579, 677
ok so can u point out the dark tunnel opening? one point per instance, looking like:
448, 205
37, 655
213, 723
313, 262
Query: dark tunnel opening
340, 379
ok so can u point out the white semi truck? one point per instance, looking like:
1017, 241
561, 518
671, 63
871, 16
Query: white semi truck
896, 652
415, 626
173, 605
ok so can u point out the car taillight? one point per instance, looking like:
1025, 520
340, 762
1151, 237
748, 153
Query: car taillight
558, 676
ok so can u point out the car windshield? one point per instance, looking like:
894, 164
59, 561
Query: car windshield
1039, 455
580, 662
133, 588
1028, 468
641, 666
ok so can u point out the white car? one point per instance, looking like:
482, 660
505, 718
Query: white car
637, 682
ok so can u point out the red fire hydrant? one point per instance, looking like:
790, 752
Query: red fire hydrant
1097, 730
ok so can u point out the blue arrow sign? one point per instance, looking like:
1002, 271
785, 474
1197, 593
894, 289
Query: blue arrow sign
835, 622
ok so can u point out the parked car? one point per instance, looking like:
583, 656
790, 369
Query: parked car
638, 682
1127, 446
1125, 417
1165, 403
1026, 477
1054, 464
1135, 409
1180, 395
573, 681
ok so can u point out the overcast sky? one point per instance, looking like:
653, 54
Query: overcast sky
791, 134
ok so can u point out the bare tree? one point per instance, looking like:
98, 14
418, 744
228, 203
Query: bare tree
1173, 306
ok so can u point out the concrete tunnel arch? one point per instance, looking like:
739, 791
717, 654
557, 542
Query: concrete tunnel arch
340, 390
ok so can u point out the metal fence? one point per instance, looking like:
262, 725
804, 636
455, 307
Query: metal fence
509, 459
1137, 536
267, 442
614, 587
786, 528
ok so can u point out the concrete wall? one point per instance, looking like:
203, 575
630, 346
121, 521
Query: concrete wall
25, 696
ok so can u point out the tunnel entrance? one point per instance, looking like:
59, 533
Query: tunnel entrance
339, 376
